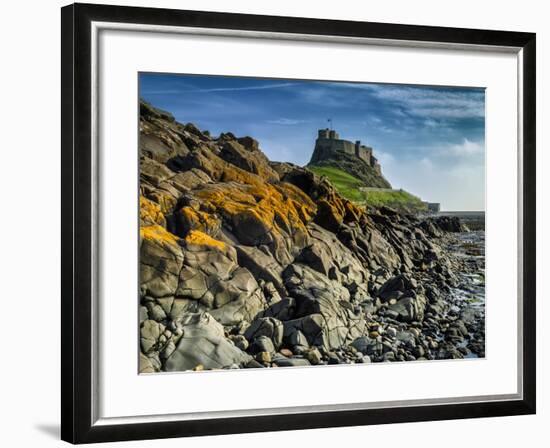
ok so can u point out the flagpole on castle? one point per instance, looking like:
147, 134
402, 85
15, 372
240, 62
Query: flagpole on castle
330, 121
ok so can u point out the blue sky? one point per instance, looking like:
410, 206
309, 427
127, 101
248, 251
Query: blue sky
429, 140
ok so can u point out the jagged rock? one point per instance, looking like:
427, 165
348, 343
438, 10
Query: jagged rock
261, 264
161, 259
449, 224
267, 327
203, 343
262, 344
249, 158
150, 334
397, 287
409, 309
285, 309
187, 219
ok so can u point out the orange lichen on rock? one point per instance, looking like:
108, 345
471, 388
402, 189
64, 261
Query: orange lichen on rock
158, 234
280, 208
187, 219
150, 213
202, 239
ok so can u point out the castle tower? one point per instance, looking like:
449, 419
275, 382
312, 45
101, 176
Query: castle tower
323, 133
358, 148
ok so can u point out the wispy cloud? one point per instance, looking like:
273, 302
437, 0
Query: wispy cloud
430, 102
286, 121
221, 89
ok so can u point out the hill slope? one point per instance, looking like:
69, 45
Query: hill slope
354, 189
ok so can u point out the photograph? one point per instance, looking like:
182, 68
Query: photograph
300, 223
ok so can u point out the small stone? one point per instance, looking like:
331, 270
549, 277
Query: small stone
286, 352
262, 344
313, 356
263, 357
240, 341
198, 368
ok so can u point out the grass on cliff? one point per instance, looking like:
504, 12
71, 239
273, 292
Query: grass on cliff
397, 199
349, 187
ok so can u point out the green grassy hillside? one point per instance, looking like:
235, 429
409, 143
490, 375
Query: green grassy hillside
398, 199
349, 187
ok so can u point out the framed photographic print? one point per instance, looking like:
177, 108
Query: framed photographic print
275, 223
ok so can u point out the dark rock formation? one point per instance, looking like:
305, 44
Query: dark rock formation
247, 263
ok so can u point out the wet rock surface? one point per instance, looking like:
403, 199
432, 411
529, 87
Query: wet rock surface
247, 263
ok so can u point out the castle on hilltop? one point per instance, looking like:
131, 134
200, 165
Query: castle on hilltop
329, 142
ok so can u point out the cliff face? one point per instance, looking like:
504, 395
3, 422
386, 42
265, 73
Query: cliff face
247, 263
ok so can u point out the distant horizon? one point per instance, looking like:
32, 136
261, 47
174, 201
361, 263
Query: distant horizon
430, 141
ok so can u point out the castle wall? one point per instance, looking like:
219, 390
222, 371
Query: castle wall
364, 153
328, 142
325, 147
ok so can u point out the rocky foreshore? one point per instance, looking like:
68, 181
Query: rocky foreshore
247, 263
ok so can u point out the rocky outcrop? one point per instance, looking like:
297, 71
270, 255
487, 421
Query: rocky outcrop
248, 263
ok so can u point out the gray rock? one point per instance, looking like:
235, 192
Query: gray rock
284, 309
409, 309
397, 287
240, 341
367, 346
282, 361
313, 356
262, 344
203, 343
149, 335
266, 326
160, 264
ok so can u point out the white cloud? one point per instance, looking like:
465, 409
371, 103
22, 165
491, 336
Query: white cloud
465, 149
385, 158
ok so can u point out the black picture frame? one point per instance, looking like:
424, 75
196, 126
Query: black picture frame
76, 279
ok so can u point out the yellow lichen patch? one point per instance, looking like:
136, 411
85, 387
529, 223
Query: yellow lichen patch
150, 213
192, 219
165, 200
202, 239
158, 234
280, 208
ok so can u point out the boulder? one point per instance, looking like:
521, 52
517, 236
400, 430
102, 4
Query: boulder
396, 287
268, 327
409, 309
203, 343
160, 260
